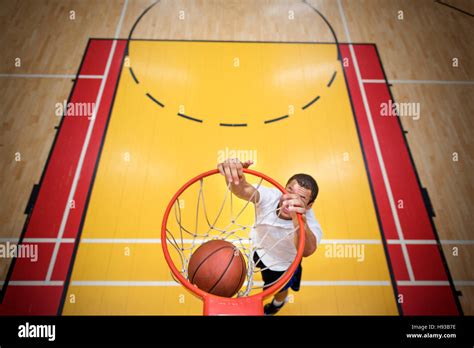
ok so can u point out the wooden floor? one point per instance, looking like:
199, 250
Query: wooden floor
417, 53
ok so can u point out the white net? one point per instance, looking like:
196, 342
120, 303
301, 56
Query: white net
208, 210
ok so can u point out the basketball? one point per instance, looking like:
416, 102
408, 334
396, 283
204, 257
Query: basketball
217, 267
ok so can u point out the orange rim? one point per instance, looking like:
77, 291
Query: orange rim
204, 295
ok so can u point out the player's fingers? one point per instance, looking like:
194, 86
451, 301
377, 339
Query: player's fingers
298, 202
228, 174
294, 202
240, 170
235, 174
288, 196
296, 209
247, 164
221, 168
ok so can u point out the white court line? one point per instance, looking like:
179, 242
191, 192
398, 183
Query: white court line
198, 240
423, 283
157, 283
431, 242
52, 76
125, 240
459, 241
411, 242
72, 76
435, 283
351, 241
399, 242
346, 283
423, 82
85, 145
377, 147
97, 77
258, 283
38, 240
464, 282
33, 283
188, 241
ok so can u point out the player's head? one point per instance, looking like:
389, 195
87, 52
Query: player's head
303, 185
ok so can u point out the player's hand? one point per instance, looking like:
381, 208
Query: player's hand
294, 204
232, 169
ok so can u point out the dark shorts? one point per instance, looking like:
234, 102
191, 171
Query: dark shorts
269, 276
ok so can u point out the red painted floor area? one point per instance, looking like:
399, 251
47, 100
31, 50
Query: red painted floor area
436, 297
38, 296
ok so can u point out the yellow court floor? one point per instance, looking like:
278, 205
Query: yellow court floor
179, 107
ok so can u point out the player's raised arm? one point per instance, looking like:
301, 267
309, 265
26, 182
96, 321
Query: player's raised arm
232, 170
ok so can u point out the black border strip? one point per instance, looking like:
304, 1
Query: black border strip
46, 165
155, 100
454, 8
420, 187
235, 41
311, 103
91, 186
189, 117
427, 199
374, 201
276, 119
32, 199
146, 330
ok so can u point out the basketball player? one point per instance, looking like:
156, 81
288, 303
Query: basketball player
276, 216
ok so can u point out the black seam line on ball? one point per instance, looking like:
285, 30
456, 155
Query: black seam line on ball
208, 256
242, 274
223, 273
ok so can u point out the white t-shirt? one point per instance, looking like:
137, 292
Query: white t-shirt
272, 236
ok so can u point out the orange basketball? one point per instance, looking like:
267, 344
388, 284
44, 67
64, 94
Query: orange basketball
217, 267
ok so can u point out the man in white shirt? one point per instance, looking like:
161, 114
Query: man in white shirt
274, 234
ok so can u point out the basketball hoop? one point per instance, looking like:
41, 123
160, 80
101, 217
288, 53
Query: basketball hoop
233, 228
